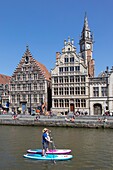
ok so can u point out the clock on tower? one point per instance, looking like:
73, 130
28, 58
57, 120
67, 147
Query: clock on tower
88, 46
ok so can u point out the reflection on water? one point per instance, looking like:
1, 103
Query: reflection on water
92, 148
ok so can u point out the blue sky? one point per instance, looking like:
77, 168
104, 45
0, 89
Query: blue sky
44, 24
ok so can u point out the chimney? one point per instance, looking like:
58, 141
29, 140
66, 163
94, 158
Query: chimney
57, 55
107, 69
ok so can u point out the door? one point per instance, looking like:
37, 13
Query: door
23, 107
97, 109
71, 107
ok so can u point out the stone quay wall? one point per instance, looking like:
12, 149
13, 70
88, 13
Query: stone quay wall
79, 122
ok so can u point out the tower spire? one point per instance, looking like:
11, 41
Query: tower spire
86, 47
85, 27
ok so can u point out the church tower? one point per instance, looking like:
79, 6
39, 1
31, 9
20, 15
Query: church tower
86, 47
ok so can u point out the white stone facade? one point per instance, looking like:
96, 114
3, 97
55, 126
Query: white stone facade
69, 82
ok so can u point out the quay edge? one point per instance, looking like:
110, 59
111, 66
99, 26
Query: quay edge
58, 123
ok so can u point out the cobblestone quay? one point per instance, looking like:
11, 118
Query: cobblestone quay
78, 122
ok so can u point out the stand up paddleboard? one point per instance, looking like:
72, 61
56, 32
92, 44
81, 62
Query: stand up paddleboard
48, 157
54, 151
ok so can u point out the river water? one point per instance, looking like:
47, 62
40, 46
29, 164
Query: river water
92, 149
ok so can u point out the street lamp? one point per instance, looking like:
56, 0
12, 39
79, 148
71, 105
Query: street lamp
30, 97
0, 101
107, 85
30, 69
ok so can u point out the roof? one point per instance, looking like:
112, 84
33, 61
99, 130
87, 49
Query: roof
4, 79
44, 70
41, 67
102, 74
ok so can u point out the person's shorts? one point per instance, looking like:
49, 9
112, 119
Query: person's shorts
44, 145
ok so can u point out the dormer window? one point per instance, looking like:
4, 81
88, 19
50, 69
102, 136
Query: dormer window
72, 60
66, 60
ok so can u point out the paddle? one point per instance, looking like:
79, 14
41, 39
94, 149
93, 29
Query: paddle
53, 146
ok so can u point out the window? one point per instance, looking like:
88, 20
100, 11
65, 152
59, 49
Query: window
66, 69
61, 91
55, 80
83, 103
103, 91
24, 77
18, 87
24, 69
23, 97
66, 90
72, 60
77, 68
24, 87
35, 86
60, 69
71, 68
66, 103
77, 79
13, 86
35, 98
82, 78
96, 91
87, 34
13, 98
18, 77
66, 60
61, 103
66, 79
60, 79
35, 76
77, 102
40, 98
77, 90
29, 76
71, 79
71, 90
41, 86
55, 91
83, 90
55, 103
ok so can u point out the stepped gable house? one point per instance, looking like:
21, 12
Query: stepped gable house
30, 85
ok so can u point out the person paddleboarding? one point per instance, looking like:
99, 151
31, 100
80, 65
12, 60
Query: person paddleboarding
45, 141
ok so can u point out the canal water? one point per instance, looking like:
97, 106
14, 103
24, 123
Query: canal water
92, 149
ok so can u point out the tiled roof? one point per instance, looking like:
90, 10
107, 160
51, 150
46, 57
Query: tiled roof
4, 79
44, 70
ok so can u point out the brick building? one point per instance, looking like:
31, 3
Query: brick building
4, 91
